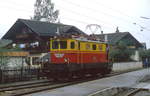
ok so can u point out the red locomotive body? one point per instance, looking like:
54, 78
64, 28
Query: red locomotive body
70, 57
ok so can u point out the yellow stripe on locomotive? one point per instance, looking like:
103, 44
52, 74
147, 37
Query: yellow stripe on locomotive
74, 45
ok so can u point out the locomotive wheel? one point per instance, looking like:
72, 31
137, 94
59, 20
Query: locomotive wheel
55, 79
80, 74
109, 71
70, 76
103, 74
94, 74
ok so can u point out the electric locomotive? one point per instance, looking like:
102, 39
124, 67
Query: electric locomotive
76, 57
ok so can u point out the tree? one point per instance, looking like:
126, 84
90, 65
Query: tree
145, 53
121, 52
44, 9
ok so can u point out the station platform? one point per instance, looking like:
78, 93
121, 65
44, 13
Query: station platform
129, 79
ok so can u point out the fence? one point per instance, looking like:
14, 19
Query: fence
23, 74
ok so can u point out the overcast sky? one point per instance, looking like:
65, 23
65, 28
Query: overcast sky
107, 13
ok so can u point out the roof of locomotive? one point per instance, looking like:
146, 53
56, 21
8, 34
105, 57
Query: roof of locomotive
87, 40
82, 39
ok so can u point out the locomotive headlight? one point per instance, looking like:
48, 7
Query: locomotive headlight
66, 60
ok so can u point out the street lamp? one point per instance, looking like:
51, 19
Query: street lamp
144, 17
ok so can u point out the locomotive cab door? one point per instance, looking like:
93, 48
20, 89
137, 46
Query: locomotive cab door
79, 55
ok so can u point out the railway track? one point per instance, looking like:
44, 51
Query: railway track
29, 88
2, 86
134, 92
33, 88
23, 89
121, 91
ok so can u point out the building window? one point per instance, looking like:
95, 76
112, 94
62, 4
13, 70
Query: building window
35, 61
72, 45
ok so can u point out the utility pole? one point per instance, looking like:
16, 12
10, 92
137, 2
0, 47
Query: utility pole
144, 17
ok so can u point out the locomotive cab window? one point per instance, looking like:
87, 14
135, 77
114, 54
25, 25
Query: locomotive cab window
72, 45
100, 47
55, 44
59, 45
94, 47
63, 44
88, 47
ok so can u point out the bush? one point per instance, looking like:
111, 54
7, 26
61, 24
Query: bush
145, 53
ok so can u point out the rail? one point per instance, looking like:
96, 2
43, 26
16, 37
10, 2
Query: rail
135, 91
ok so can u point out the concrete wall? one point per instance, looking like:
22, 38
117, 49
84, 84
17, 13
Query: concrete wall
123, 66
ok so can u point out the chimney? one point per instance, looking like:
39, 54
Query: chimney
117, 30
106, 38
58, 30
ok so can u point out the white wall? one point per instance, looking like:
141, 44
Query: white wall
136, 56
126, 66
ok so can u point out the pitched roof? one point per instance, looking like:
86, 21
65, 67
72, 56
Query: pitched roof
41, 28
113, 38
4, 42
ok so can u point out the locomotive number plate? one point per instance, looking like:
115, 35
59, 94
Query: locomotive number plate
59, 55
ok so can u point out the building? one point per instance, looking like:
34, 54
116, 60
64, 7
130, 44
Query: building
114, 39
4, 43
11, 58
34, 33
34, 36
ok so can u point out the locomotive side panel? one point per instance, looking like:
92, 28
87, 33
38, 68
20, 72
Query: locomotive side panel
67, 57
64, 57
93, 52
94, 57
64, 52
73, 56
